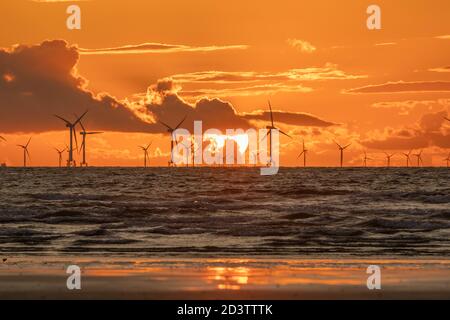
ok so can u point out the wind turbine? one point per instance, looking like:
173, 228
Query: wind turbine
60, 152
448, 160
2, 164
304, 151
255, 155
388, 158
365, 159
84, 133
146, 153
173, 137
341, 148
71, 126
192, 149
269, 133
419, 158
25, 152
408, 157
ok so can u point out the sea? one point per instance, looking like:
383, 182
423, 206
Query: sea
215, 212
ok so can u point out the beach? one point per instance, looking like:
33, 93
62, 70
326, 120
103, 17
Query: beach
44, 277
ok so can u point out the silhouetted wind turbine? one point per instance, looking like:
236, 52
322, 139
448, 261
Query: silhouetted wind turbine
60, 152
388, 158
448, 160
173, 137
25, 152
408, 157
71, 127
365, 159
84, 133
304, 151
146, 153
341, 148
269, 133
192, 149
419, 158
255, 155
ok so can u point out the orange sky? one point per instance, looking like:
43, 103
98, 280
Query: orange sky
244, 52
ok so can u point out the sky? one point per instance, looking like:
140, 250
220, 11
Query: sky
134, 63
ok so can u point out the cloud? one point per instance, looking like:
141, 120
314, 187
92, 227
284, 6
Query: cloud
385, 44
266, 89
443, 37
407, 105
440, 69
328, 72
401, 86
301, 45
430, 131
290, 118
166, 105
246, 83
41, 80
156, 48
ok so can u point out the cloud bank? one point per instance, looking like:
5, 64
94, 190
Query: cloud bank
429, 131
41, 80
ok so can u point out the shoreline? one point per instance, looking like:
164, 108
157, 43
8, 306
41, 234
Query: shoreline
44, 277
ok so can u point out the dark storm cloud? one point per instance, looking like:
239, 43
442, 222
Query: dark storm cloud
41, 80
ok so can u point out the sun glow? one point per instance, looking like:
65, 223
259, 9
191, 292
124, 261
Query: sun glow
217, 142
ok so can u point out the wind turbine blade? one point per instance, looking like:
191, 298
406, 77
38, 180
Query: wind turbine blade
265, 136
2, 138
284, 133
347, 146
93, 132
180, 122
271, 114
300, 154
28, 142
82, 127
61, 118
446, 118
75, 136
166, 125
81, 147
28, 154
148, 146
79, 119
337, 144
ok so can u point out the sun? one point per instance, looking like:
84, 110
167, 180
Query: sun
217, 142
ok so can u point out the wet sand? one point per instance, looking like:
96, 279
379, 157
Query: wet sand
44, 277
